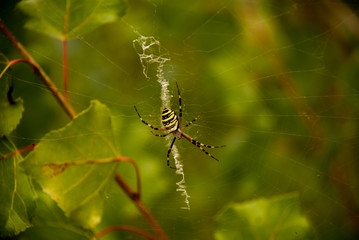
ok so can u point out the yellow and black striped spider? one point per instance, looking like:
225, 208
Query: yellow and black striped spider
172, 123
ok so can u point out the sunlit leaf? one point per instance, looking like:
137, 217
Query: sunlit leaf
50, 222
75, 188
274, 218
10, 109
66, 19
17, 197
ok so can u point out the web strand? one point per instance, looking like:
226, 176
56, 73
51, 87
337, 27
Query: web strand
151, 56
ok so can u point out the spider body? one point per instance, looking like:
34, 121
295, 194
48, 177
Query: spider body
169, 119
172, 123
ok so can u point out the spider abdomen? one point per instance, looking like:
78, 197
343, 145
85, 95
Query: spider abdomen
169, 119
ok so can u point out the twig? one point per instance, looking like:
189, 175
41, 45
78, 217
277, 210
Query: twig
64, 55
141, 207
138, 180
27, 148
124, 228
38, 71
10, 63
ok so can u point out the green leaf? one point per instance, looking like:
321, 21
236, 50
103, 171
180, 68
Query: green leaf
10, 109
17, 197
79, 190
51, 222
66, 19
274, 218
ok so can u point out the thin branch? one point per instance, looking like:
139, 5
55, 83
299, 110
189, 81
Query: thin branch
138, 179
27, 148
141, 207
124, 228
38, 71
10, 63
64, 55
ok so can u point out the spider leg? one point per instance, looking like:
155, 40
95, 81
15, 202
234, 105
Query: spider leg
160, 135
200, 145
169, 152
191, 122
180, 104
155, 128
194, 142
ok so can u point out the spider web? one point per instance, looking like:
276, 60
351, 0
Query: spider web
150, 54
276, 83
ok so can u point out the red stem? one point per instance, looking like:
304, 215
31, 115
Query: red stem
127, 159
141, 207
38, 70
64, 55
27, 148
13, 62
124, 228
10, 63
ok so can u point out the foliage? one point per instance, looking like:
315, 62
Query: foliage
70, 19
50, 220
88, 137
17, 202
10, 109
276, 83
276, 218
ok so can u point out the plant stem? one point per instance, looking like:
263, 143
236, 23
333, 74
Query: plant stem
138, 179
27, 148
141, 207
10, 63
64, 55
124, 228
38, 71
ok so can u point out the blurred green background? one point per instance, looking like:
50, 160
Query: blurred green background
277, 82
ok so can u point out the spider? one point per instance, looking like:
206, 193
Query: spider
172, 123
